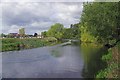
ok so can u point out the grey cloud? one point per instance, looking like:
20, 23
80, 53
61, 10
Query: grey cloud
39, 16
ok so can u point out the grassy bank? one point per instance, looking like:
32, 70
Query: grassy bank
112, 69
11, 44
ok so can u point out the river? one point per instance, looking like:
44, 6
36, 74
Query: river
69, 61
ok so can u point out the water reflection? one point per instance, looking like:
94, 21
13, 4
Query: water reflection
45, 62
69, 61
92, 54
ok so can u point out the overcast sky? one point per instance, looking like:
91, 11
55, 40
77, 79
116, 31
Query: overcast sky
38, 16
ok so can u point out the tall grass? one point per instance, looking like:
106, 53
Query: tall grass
11, 44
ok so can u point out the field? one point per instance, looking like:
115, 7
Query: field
11, 44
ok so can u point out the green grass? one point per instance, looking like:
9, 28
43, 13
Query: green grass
111, 71
108, 56
11, 44
108, 72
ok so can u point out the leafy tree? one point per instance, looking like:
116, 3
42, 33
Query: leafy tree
85, 35
2, 35
76, 31
56, 31
44, 34
67, 33
101, 20
72, 33
22, 32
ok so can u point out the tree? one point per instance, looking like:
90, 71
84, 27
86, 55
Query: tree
101, 20
35, 34
72, 33
44, 34
76, 31
2, 35
85, 35
22, 32
56, 31
68, 33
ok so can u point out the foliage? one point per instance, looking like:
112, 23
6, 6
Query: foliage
50, 39
107, 57
59, 32
56, 31
44, 34
67, 33
107, 71
71, 33
22, 32
2, 35
86, 36
75, 31
101, 20
11, 44
111, 71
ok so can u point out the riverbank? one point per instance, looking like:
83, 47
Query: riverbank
112, 60
11, 44
107, 59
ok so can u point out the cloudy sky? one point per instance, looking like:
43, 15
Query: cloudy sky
38, 16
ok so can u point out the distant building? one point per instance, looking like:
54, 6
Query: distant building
39, 36
13, 35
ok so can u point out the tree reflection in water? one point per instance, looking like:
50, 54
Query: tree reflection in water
93, 63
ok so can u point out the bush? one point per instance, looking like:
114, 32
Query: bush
50, 39
108, 56
112, 68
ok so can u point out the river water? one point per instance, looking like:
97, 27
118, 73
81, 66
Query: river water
70, 61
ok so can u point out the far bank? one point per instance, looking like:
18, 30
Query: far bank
12, 44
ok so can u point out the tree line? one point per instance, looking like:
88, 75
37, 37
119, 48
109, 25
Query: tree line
60, 32
99, 22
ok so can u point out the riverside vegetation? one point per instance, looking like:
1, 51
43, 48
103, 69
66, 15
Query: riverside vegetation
11, 44
99, 23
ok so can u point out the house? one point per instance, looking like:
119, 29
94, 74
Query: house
13, 35
39, 36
